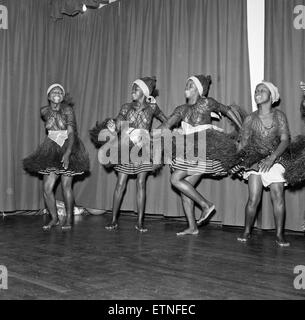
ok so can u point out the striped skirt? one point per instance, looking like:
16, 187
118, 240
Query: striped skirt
207, 167
132, 169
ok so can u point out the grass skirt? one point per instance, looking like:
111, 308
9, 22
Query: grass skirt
295, 167
221, 148
47, 159
251, 155
221, 151
293, 160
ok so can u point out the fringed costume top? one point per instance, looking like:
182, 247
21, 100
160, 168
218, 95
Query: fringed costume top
139, 117
258, 141
57, 120
199, 113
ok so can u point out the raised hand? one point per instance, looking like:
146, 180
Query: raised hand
111, 125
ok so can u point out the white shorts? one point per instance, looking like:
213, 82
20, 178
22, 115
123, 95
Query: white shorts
274, 175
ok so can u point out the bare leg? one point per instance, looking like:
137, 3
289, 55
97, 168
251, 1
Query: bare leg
178, 181
188, 207
278, 201
141, 200
255, 193
117, 199
66, 183
49, 198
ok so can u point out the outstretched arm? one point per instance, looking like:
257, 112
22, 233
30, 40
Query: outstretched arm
173, 120
159, 114
231, 115
225, 110
245, 133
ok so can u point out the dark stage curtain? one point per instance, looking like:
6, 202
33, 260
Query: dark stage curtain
96, 56
285, 66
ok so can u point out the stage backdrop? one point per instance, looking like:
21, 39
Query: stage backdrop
96, 56
285, 66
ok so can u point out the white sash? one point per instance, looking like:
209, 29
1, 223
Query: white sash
189, 129
137, 136
58, 136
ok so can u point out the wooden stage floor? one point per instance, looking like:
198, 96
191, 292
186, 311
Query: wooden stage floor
92, 263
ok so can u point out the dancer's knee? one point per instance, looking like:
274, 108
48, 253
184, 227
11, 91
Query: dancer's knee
253, 202
175, 179
47, 189
120, 187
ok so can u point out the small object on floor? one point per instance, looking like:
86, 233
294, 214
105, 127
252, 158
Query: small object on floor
49, 226
282, 244
61, 210
207, 215
64, 228
141, 229
187, 233
112, 226
244, 238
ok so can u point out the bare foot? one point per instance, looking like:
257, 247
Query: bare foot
112, 226
51, 224
66, 227
281, 242
206, 214
188, 232
141, 228
244, 237
67, 223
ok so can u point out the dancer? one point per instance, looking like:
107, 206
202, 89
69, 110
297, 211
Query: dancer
195, 116
266, 131
62, 154
139, 114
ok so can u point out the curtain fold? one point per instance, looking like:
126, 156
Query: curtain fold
36, 52
97, 56
285, 66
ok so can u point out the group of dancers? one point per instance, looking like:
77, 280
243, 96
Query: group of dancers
260, 151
